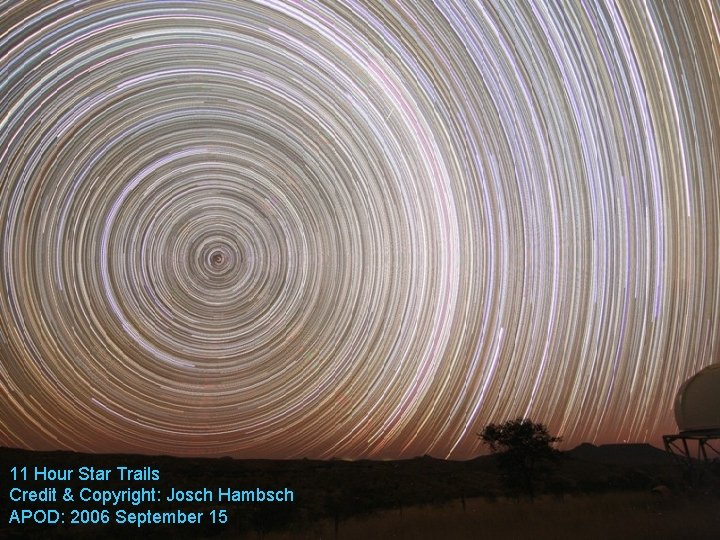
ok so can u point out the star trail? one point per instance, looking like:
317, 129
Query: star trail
353, 229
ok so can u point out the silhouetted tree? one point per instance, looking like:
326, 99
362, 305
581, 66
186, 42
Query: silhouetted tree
522, 446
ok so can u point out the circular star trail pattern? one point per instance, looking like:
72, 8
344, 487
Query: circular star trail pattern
353, 229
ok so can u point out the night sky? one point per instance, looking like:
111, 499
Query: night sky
354, 229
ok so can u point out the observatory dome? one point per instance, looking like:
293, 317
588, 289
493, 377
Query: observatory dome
697, 404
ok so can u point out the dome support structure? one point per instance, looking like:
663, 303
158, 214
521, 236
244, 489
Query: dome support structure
696, 453
696, 446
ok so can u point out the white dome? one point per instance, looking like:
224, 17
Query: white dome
697, 404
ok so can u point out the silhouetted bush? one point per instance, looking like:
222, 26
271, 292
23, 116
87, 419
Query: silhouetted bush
523, 449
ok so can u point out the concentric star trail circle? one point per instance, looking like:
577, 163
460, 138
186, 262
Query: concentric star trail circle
354, 229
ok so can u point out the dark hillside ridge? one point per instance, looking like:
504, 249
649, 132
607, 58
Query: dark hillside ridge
621, 454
